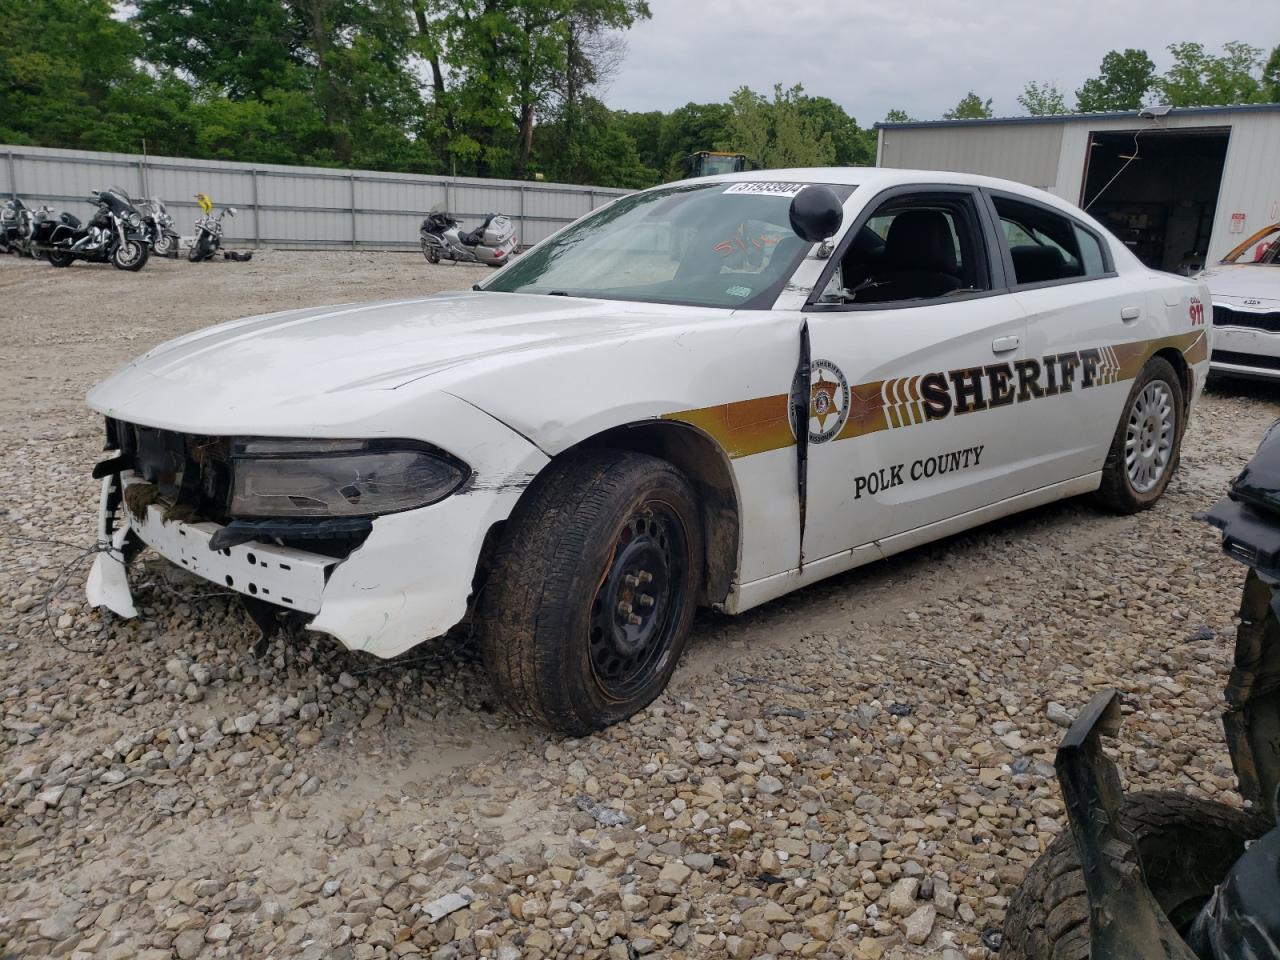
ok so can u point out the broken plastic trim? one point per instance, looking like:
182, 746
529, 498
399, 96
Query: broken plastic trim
242, 531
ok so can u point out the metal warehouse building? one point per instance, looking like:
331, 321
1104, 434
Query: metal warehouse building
1181, 187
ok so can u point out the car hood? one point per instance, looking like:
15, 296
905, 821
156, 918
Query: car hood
300, 359
1234, 282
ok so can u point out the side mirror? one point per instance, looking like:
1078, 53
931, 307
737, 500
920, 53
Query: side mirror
231, 210
816, 213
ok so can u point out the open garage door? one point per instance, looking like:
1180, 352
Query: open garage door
1157, 191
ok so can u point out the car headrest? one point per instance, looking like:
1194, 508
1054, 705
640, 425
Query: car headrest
920, 240
1034, 263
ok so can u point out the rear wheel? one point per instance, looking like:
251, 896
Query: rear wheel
1186, 845
592, 590
60, 259
1144, 451
131, 255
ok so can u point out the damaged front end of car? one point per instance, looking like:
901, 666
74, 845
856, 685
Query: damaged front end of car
268, 518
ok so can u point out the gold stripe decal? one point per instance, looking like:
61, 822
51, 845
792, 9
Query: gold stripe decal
747, 427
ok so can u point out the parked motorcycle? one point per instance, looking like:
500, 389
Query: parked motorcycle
19, 223
208, 230
115, 234
10, 225
160, 229
492, 243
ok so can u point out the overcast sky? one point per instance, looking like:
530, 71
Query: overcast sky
921, 56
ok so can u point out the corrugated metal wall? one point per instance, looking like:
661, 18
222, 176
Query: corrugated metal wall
1027, 154
1052, 154
298, 207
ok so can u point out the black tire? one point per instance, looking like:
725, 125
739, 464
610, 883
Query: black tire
59, 259
131, 255
430, 252
164, 245
559, 632
1186, 846
202, 249
1118, 492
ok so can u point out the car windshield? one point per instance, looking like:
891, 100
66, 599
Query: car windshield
703, 244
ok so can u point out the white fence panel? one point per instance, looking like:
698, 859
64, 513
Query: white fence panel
294, 207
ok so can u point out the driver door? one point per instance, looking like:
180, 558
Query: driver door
913, 418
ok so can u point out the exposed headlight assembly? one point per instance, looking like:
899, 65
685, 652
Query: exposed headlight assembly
315, 479
134, 220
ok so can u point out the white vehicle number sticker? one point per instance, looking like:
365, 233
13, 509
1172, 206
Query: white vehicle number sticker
767, 189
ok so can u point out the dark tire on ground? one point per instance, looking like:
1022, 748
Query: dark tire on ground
59, 259
131, 255
573, 634
1118, 492
202, 249
1186, 845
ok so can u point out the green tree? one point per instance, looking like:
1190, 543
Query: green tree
777, 133
1121, 84
602, 153
1198, 78
1271, 77
970, 107
240, 48
898, 116
854, 147
688, 129
1043, 99
60, 61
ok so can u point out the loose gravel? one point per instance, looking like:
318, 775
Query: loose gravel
863, 769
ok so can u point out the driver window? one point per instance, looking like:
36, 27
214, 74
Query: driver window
915, 247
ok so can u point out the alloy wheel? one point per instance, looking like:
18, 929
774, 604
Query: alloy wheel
1149, 435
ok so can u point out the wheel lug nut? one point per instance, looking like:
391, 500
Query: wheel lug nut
633, 620
631, 580
645, 600
645, 576
624, 608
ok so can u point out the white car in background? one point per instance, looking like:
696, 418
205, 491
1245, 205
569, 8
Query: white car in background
1246, 307
710, 393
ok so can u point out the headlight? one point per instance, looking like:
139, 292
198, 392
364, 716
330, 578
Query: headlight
338, 478
134, 220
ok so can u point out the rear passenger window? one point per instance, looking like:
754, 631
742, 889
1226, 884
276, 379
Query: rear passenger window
1046, 246
1090, 253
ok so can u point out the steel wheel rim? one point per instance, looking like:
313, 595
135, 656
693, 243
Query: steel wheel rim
1149, 435
635, 612
131, 252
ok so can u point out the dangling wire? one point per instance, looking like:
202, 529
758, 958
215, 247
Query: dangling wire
1131, 158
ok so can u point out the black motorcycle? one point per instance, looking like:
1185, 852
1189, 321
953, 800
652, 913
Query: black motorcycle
115, 234
160, 231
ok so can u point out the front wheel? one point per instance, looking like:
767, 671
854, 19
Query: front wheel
592, 589
202, 249
131, 255
430, 252
1144, 451
163, 245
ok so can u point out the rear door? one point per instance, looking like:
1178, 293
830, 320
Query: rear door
912, 413
1086, 328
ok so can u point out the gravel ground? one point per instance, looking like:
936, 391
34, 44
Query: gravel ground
862, 769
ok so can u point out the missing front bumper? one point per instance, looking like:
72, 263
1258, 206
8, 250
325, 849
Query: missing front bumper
286, 577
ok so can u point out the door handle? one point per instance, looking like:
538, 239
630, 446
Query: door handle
1005, 344
1130, 313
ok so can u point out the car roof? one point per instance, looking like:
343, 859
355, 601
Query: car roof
879, 178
